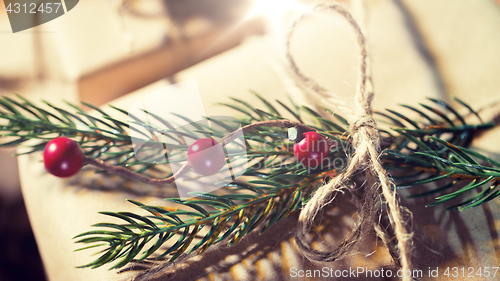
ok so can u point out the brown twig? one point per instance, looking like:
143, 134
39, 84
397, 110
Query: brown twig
282, 123
124, 172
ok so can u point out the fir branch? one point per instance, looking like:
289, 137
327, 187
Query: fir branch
413, 158
42, 124
459, 165
117, 170
232, 215
430, 149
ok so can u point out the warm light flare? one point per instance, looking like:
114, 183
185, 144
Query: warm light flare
274, 8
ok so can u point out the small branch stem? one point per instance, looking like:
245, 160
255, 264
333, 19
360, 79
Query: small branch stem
282, 123
124, 172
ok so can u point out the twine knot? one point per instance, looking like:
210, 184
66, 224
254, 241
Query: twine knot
363, 121
365, 129
366, 152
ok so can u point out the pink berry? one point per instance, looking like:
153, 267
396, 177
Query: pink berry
206, 157
312, 150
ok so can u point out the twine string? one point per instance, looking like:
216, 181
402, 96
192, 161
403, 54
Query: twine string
366, 152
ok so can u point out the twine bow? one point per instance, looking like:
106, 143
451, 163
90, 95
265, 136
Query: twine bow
366, 147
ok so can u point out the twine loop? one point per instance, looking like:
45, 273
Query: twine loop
378, 191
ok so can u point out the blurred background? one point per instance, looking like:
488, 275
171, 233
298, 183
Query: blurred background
103, 50
85, 55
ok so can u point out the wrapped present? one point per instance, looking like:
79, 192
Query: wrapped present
447, 244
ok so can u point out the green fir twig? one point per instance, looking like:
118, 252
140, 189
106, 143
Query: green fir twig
433, 148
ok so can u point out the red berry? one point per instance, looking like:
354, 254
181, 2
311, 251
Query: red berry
62, 157
312, 150
206, 157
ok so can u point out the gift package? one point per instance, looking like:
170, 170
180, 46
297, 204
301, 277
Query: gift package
432, 64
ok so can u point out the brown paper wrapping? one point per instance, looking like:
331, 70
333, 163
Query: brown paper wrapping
464, 42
